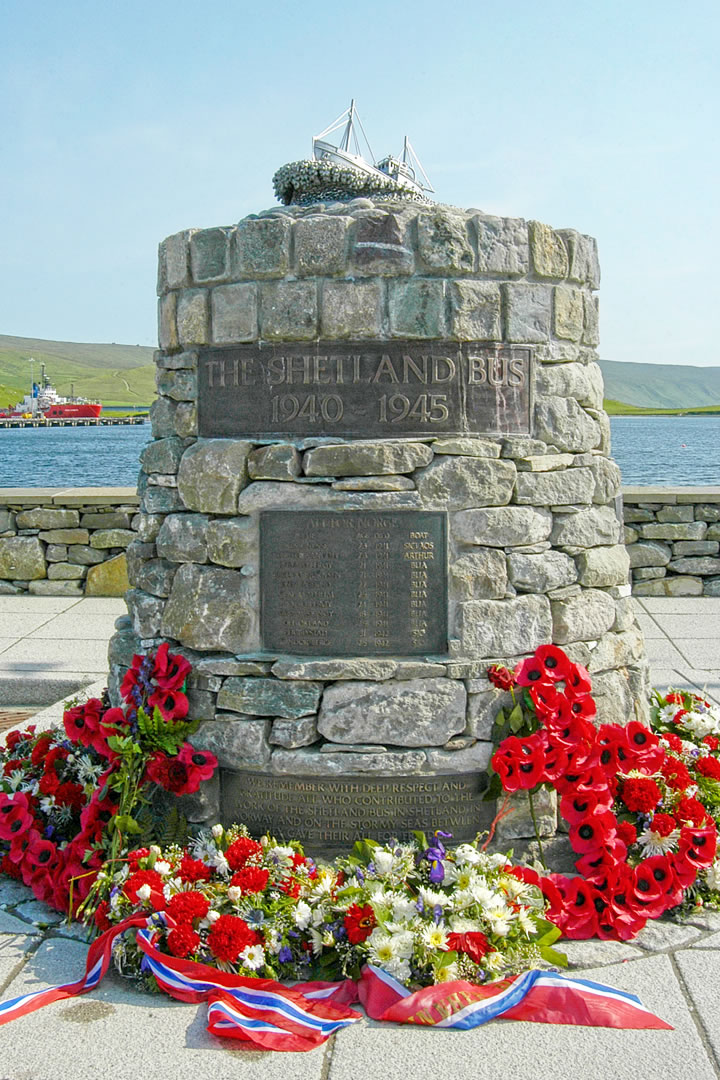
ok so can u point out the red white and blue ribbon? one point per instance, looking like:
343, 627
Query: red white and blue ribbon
276, 1017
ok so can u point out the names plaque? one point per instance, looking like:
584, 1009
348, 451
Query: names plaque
364, 389
353, 582
335, 812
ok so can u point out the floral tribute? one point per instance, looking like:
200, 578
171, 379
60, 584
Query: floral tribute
424, 914
689, 729
631, 804
71, 797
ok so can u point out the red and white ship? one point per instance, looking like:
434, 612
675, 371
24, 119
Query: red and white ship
43, 401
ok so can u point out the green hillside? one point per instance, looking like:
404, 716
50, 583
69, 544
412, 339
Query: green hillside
125, 375
114, 374
620, 408
661, 386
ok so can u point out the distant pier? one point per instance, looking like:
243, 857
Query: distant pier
38, 422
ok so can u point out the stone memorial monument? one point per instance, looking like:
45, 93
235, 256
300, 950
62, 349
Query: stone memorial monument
380, 463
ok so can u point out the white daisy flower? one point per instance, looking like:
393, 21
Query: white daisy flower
712, 876
500, 919
253, 957
493, 961
434, 937
383, 861
220, 863
466, 854
446, 974
234, 894
163, 868
432, 898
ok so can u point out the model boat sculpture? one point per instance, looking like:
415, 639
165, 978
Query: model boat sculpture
341, 171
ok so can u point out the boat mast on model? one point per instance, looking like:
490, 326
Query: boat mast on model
406, 169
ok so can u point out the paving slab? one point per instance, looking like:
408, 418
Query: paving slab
697, 626
700, 972
13, 952
83, 626
116, 1033
524, 1051
677, 605
53, 655
13, 604
649, 627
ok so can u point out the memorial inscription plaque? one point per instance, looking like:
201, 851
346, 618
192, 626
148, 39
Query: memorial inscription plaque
364, 389
333, 813
353, 582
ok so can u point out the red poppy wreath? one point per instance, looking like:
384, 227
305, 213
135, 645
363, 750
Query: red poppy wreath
640, 834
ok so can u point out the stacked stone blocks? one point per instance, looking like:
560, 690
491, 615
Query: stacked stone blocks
65, 543
673, 541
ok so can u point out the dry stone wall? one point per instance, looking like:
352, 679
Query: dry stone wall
673, 540
535, 546
66, 542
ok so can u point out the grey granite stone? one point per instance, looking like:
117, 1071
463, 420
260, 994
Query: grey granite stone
294, 733
312, 763
528, 309
480, 575
280, 461
209, 609
363, 459
502, 245
418, 712
234, 313
457, 483
554, 488
234, 740
357, 668
212, 474
540, 572
599, 567
231, 541
351, 309
288, 310
417, 308
269, 697
491, 628
22, 558
566, 425
582, 618
505, 526
588, 528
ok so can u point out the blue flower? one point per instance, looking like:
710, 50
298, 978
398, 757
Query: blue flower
285, 954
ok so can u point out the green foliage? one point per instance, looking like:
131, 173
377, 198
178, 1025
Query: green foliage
161, 823
156, 733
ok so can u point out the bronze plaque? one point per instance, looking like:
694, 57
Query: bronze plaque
364, 389
353, 582
334, 812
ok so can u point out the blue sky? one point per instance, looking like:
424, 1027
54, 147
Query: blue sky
122, 122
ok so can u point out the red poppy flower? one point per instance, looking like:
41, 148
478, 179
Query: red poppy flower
674, 698
41, 854
643, 748
201, 764
15, 815
557, 759
501, 677
82, 723
41, 748
546, 699
530, 672
173, 704
592, 832
473, 943
241, 851
597, 866
698, 845
520, 763
623, 914
577, 681
612, 748
359, 922
580, 914
655, 885
170, 670
576, 806
571, 730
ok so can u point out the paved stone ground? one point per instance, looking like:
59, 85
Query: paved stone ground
116, 1033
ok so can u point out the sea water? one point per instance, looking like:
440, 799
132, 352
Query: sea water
649, 450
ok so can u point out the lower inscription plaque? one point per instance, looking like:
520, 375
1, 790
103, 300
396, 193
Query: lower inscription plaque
335, 812
353, 582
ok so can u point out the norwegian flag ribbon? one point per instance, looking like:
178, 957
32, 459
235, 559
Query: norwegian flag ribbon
276, 1017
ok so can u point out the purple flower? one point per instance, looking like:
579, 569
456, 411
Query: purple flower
437, 914
435, 855
285, 954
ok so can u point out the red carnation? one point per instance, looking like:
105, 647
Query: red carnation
359, 922
228, 936
185, 906
251, 879
135, 857
626, 832
641, 794
473, 943
193, 870
100, 917
183, 941
500, 676
663, 824
711, 741
241, 850
140, 878
673, 741
708, 766
72, 795
675, 774
692, 810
